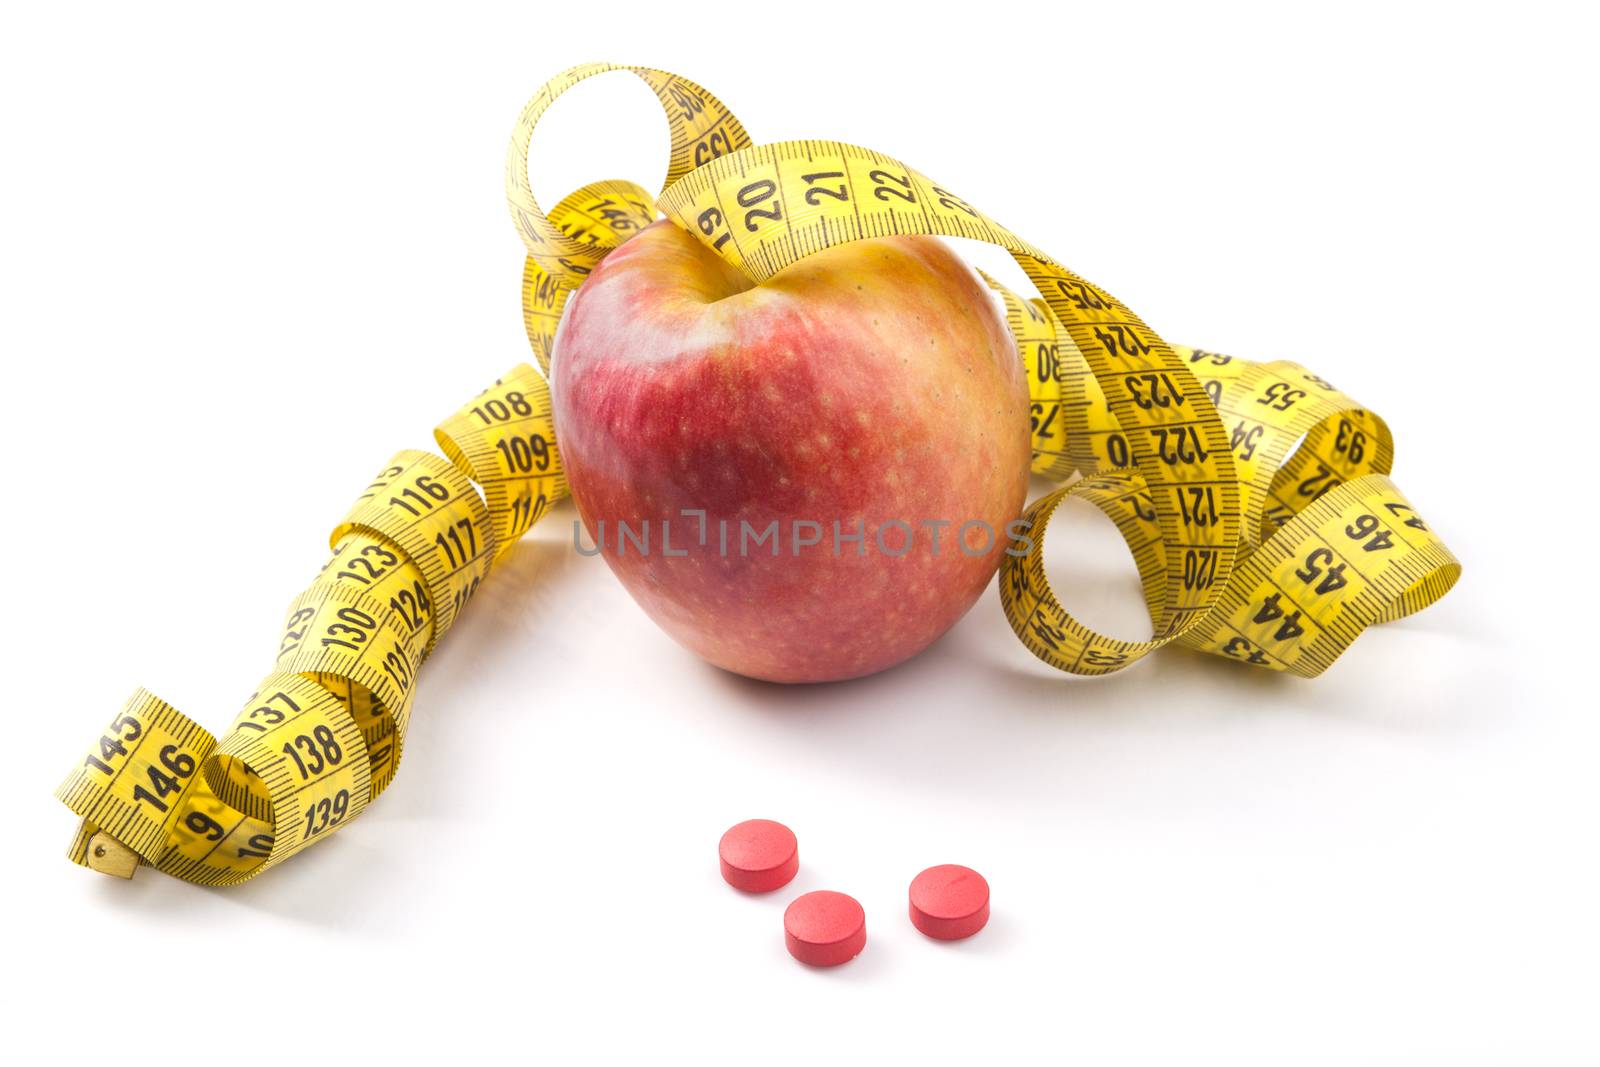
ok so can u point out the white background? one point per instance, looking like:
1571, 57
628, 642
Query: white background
247, 252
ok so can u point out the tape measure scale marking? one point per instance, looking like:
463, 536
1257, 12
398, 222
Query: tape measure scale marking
505, 441
426, 506
1247, 545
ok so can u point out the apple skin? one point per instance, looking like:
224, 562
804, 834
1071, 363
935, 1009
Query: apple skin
875, 381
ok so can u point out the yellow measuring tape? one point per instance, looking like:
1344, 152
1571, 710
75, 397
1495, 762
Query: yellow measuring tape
1246, 545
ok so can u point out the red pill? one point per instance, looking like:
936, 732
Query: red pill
949, 902
825, 928
759, 855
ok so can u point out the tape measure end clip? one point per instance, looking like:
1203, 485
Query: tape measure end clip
110, 856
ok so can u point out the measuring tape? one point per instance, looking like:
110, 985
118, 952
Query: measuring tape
323, 734
1246, 545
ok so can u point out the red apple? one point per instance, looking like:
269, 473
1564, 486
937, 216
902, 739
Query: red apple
874, 385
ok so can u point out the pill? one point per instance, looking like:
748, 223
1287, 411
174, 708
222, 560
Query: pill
949, 902
759, 855
825, 928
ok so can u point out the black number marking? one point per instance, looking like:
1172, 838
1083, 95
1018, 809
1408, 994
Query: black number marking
1316, 561
325, 814
1367, 526
179, 763
1281, 396
754, 194
321, 751
815, 193
892, 186
523, 454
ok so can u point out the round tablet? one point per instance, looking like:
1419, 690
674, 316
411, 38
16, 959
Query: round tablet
759, 855
825, 928
949, 902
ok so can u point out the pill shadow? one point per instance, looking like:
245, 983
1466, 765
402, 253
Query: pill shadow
876, 960
998, 937
807, 880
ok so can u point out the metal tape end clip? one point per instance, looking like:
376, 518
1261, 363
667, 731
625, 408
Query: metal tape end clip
109, 856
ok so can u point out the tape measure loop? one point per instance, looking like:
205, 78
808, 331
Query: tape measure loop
504, 440
432, 512
701, 128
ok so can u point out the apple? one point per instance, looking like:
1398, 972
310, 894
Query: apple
805, 480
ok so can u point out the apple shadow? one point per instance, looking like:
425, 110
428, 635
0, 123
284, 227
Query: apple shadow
976, 711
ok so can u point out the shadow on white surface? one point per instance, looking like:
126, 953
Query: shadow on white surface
876, 962
998, 937
972, 721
